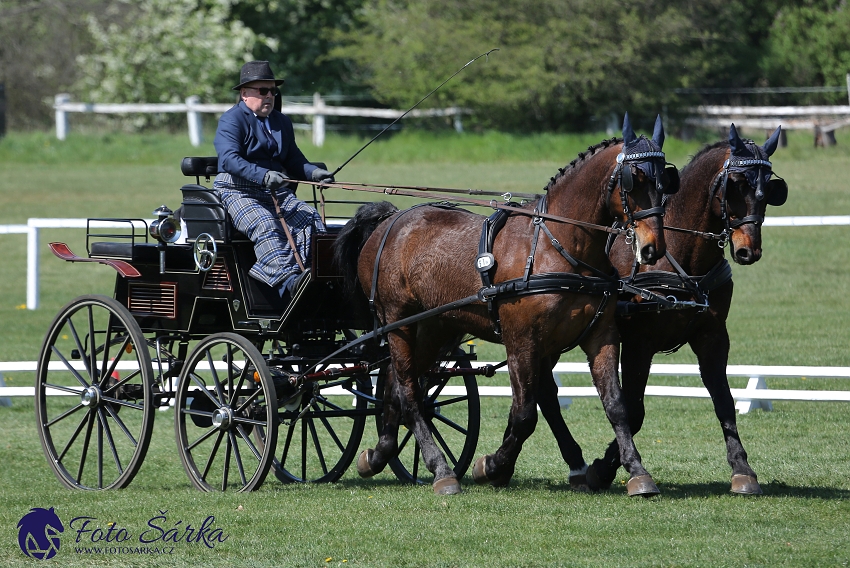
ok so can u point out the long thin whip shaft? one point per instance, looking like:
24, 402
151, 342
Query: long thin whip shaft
336, 171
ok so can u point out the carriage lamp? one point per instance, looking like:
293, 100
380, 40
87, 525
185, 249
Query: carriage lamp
165, 229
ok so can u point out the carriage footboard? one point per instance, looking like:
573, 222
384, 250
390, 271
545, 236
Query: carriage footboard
123, 268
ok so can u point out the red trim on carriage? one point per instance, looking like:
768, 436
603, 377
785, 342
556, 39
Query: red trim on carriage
123, 268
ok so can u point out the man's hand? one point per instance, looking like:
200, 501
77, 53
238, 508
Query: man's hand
323, 176
274, 180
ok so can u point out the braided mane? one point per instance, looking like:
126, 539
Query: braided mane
581, 157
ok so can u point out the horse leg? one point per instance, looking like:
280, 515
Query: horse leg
547, 400
712, 351
636, 360
498, 468
603, 356
371, 462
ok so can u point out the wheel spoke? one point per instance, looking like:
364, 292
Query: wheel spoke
450, 423
235, 393
204, 389
73, 437
416, 454
203, 436
213, 452
319, 453
74, 372
449, 401
87, 440
109, 440
80, 347
119, 402
231, 437
332, 433
405, 440
248, 442
121, 424
248, 400
122, 382
227, 448
442, 442
64, 415
62, 388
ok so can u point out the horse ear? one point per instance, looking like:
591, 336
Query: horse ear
658, 134
628, 131
772, 142
734, 140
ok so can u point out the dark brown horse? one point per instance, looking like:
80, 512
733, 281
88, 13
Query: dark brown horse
725, 190
547, 293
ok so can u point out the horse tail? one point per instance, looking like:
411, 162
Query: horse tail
354, 235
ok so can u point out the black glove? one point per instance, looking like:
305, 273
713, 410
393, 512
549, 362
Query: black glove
274, 180
323, 176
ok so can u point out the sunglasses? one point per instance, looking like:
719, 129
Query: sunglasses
266, 90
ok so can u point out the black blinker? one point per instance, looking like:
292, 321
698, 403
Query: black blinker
777, 192
671, 181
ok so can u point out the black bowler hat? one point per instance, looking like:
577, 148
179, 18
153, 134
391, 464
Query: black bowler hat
256, 71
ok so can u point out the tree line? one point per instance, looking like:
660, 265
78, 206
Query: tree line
562, 64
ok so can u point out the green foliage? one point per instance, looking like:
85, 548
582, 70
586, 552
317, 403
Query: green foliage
808, 46
303, 32
562, 64
162, 51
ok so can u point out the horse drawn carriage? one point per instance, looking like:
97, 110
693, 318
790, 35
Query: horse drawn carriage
257, 385
249, 377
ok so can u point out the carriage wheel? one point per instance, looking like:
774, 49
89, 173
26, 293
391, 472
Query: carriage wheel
96, 432
322, 430
453, 413
224, 393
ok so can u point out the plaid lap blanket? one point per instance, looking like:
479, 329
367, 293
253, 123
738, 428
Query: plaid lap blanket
253, 213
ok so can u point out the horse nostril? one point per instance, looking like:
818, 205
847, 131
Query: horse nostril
649, 252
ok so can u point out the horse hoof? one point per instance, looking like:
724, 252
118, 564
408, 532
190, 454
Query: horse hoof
363, 467
594, 483
579, 483
447, 486
478, 474
642, 485
745, 485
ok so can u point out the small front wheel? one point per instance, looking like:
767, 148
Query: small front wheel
225, 392
93, 395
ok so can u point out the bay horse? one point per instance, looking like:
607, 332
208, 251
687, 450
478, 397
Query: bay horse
542, 298
725, 190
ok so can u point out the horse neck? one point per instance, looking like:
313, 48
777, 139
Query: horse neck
580, 194
692, 208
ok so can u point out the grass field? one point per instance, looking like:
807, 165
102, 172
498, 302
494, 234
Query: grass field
790, 308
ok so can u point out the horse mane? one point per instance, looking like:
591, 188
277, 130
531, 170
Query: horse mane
708, 148
591, 150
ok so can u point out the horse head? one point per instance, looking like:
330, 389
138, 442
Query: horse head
743, 191
636, 191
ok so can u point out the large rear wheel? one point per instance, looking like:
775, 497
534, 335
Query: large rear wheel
225, 392
93, 395
322, 427
452, 410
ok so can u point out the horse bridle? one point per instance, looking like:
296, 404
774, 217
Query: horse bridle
622, 176
721, 183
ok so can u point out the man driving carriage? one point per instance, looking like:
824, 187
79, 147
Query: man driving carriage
257, 156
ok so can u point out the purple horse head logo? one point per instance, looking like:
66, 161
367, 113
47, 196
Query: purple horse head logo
38, 533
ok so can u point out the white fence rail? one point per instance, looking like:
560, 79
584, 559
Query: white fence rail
34, 225
194, 108
755, 396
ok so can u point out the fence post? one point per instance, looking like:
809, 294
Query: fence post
2, 110
32, 267
61, 115
318, 121
458, 121
848, 88
744, 405
196, 132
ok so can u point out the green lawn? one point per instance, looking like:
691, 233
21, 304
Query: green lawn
789, 309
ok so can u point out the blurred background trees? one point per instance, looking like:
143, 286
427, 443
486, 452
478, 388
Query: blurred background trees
562, 64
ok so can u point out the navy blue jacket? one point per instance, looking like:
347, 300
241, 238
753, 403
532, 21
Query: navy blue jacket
243, 150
